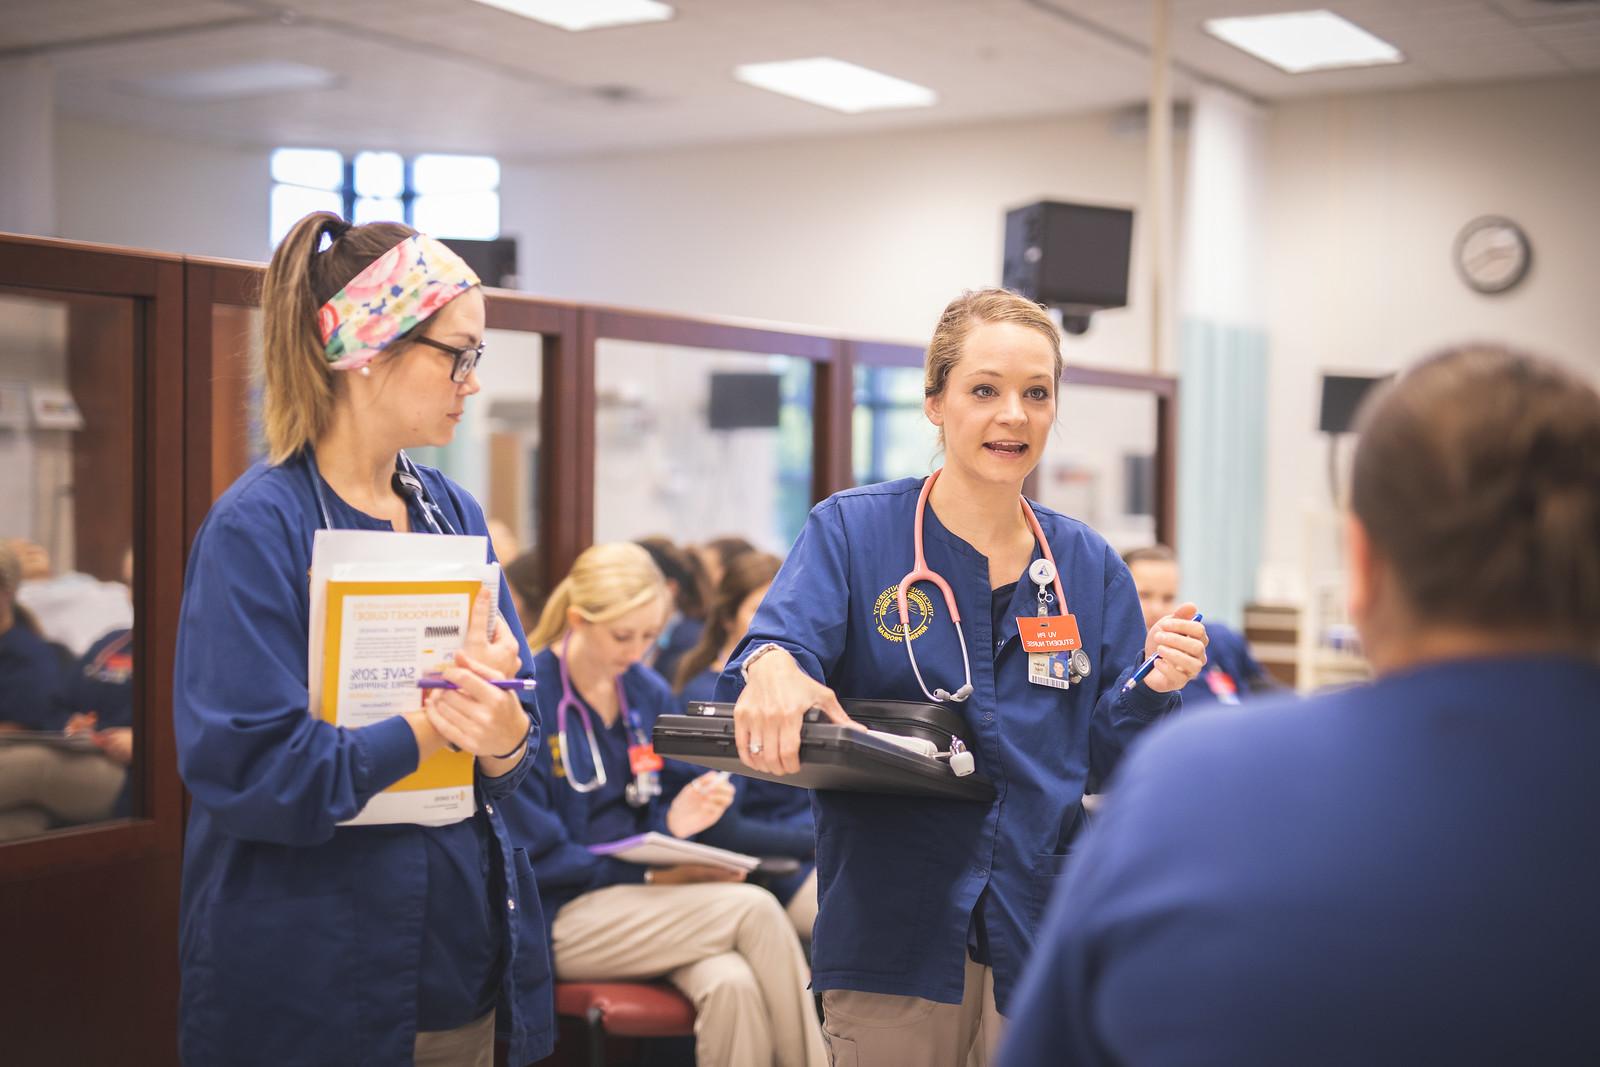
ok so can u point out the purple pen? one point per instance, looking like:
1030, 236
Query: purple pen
1150, 664
518, 685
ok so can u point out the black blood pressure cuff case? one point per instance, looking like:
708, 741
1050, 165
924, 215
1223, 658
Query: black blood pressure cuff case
837, 757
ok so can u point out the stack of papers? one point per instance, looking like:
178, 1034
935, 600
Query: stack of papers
660, 850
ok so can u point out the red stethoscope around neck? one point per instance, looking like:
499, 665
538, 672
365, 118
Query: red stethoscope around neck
921, 572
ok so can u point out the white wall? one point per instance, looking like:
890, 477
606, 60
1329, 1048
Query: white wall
867, 235
126, 187
871, 235
1366, 195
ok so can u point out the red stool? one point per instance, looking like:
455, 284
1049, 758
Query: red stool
626, 1009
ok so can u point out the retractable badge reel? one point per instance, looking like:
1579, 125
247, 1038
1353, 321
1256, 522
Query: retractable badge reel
1056, 658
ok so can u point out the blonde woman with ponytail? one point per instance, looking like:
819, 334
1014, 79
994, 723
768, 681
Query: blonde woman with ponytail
303, 940
728, 946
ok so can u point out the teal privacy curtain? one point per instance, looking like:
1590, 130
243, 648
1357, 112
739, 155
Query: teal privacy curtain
1222, 418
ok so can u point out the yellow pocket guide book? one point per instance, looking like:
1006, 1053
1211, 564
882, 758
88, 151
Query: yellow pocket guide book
387, 609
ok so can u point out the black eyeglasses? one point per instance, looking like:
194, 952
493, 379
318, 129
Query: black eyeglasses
466, 359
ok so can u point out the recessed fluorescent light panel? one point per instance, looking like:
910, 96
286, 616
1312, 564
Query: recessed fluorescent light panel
237, 81
835, 84
1301, 41
585, 14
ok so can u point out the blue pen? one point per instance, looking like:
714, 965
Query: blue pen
1150, 664
518, 685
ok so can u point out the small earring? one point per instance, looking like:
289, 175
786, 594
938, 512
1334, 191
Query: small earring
366, 372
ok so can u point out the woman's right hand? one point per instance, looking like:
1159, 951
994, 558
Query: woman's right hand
688, 873
699, 804
772, 708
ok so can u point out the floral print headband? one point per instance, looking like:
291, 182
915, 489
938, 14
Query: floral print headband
396, 291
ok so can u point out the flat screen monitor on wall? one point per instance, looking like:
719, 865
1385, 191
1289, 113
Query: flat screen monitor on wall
742, 401
493, 261
1341, 399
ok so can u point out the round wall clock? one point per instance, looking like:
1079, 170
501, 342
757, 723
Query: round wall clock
1492, 254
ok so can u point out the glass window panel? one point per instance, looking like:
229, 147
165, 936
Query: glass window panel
696, 443
237, 439
495, 454
291, 203
1099, 464
381, 174
315, 168
374, 209
892, 437
67, 477
471, 215
454, 174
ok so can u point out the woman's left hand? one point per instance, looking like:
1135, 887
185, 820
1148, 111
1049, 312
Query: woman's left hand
1182, 644
476, 717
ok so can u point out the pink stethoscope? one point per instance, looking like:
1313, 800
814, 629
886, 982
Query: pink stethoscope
921, 572
645, 784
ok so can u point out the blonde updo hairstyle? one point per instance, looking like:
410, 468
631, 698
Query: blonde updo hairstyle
606, 582
971, 308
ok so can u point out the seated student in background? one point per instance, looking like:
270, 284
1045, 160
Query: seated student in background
42, 787
1399, 873
717, 553
689, 590
524, 578
31, 673
727, 946
765, 819
1231, 672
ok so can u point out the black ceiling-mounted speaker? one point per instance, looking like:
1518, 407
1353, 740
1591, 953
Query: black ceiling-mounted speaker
494, 262
1069, 256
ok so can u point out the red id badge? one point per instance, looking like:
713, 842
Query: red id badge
1048, 633
643, 759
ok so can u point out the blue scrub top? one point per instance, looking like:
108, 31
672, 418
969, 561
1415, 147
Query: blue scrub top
899, 877
1398, 873
299, 937
31, 679
103, 681
554, 822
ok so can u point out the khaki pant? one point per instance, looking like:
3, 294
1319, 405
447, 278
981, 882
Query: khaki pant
802, 907
880, 1030
729, 948
40, 783
471, 1045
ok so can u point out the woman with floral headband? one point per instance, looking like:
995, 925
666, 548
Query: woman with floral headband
302, 940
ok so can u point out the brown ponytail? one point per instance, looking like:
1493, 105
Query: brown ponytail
745, 574
298, 400
1477, 478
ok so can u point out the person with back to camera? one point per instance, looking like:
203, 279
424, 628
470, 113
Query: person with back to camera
728, 947
1398, 873
1231, 672
927, 907
765, 818
303, 941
